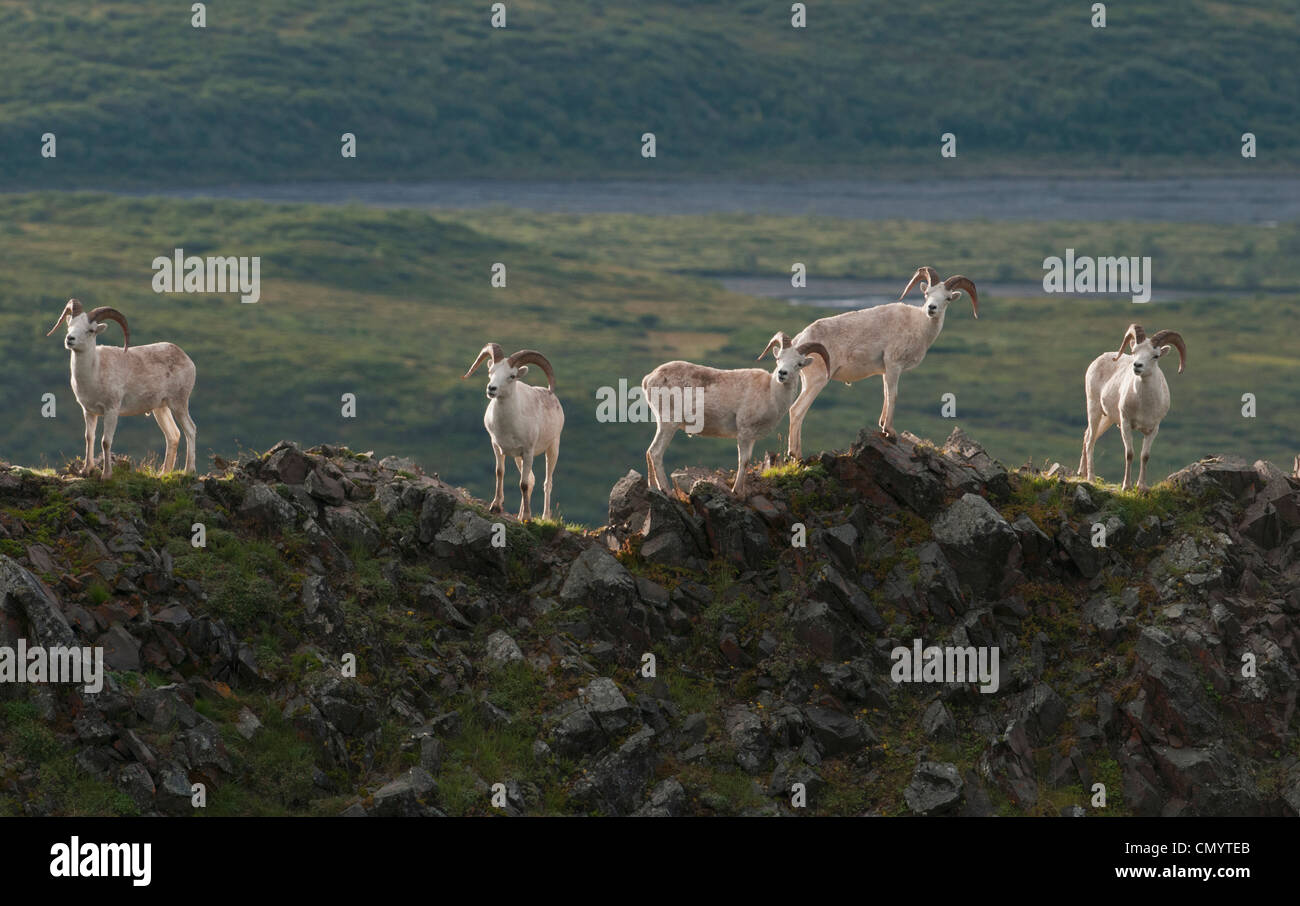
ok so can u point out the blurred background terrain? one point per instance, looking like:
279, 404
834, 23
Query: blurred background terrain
522, 146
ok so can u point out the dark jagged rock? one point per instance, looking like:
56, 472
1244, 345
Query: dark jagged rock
977, 540
672, 535
701, 654
406, 797
286, 463
23, 596
598, 581
1229, 474
934, 789
989, 473
615, 783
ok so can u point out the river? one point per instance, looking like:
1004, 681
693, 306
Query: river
1257, 200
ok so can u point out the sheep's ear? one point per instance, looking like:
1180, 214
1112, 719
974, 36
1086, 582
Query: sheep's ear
522, 370
1164, 350
954, 295
101, 326
805, 361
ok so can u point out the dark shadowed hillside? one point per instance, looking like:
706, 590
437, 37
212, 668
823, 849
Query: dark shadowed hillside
1161, 666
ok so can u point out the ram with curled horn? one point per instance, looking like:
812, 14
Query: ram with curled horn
884, 339
522, 420
744, 403
1128, 388
109, 382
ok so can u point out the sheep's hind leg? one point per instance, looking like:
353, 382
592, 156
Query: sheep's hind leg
1098, 424
744, 450
814, 378
664, 432
167, 424
181, 412
106, 444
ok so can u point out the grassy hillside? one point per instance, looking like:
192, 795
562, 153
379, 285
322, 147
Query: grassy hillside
393, 305
1187, 256
137, 95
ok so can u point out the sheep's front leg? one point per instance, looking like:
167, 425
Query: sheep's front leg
552, 454
1126, 432
1146, 454
499, 498
890, 381
744, 449
88, 462
814, 378
106, 444
525, 464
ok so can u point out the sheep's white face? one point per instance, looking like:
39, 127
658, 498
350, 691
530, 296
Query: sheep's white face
788, 363
1145, 357
937, 299
502, 378
82, 333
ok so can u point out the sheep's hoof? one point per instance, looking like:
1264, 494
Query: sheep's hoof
495, 509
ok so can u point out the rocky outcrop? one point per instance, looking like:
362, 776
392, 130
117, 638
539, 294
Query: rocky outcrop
405, 653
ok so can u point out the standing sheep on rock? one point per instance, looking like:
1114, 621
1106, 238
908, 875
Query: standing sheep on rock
885, 340
1129, 389
522, 421
744, 403
156, 379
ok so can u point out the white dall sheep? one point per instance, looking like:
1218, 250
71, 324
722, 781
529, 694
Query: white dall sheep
1129, 389
744, 403
110, 382
885, 340
522, 421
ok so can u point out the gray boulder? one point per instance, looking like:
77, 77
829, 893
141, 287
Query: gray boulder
501, 649
596, 580
976, 540
602, 699
263, 505
408, 796
22, 594
935, 789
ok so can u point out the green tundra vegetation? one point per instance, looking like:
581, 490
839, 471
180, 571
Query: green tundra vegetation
393, 306
136, 95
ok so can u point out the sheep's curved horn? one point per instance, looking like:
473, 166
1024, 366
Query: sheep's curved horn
532, 356
72, 308
492, 351
957, 281
778, 339
817, 349
1134, 333
1175, 339
925, 272
112, 314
